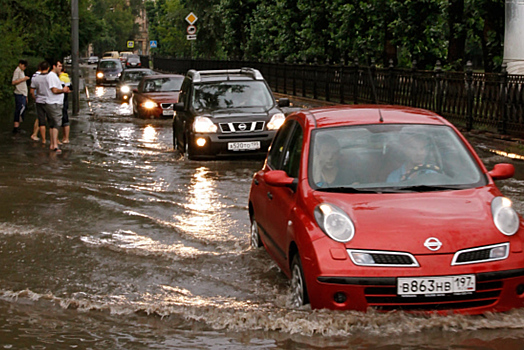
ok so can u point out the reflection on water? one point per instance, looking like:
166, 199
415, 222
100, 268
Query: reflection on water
100, 91
149, 134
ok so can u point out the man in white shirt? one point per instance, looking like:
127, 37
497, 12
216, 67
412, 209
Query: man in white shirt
40, 91
54, 104
19, 82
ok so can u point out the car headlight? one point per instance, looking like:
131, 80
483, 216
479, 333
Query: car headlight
504, 216
204, 125
125, 89
276, 121
99, 75
334, 222
149, 104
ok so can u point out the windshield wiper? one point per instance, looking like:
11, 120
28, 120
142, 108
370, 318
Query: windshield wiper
347, 189
426, 188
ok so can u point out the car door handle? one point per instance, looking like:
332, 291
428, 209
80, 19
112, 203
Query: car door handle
255, 181
270, 195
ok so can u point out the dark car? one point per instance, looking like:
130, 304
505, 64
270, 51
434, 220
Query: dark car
225, 113
129, 80
92, 60
108, 70
133, 61
156, 95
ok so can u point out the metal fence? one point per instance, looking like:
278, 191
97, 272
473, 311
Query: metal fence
485, 101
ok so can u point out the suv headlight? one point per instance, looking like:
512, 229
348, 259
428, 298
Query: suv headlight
335, 222
276, 121
100, 75
204, 125
504, 216
125, 89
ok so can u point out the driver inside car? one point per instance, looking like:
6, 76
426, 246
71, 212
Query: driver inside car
417, 159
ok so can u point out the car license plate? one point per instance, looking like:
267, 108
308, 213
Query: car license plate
436, 285
243, 146
167, 112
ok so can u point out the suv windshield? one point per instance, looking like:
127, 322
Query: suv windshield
229, 94
390, 158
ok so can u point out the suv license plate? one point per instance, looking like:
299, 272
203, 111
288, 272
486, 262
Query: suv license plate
243, 146
168, 112
436, 285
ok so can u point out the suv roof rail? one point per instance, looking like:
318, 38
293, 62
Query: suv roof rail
253, 73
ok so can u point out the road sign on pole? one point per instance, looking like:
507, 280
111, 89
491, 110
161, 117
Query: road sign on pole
191, 18
191, 37
153, 43
130, 44
191, 29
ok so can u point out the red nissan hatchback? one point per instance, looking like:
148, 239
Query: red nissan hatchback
388, 208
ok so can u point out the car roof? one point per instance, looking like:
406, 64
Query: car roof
139, 70
158, 76
110, 59
225, 75
344, 115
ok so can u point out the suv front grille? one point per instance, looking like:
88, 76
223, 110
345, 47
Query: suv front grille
166, 105
241, 127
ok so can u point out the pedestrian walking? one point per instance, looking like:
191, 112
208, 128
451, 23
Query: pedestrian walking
39, 91
64, 78
54, 104
19, 82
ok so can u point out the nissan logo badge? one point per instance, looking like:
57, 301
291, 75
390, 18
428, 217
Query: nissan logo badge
433, 244
242, 127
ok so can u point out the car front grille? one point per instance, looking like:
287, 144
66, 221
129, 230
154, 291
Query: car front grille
241, 127
478, 255
386, 298
166, 105
384, 258
381, 292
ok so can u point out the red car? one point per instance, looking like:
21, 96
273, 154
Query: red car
156, 95
387, 208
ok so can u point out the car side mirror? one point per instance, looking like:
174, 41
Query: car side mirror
279, 178
179, 106
283, 102
502, 171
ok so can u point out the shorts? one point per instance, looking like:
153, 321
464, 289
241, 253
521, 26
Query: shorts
41, 114
20, 107
54, 115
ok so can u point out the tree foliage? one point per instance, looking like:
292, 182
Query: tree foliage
404, 31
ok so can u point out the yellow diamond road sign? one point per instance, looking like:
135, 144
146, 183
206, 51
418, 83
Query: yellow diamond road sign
191, 18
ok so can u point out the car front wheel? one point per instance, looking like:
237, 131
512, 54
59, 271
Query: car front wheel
255, 236
299, 295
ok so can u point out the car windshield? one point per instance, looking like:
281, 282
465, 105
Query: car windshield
163, 84
229, 94
391, 158
109, 64
132, 76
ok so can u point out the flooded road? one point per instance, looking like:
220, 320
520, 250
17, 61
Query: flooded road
120, 243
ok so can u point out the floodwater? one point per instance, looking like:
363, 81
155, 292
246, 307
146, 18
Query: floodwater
121, 243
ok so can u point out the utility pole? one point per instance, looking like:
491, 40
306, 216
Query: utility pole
75, 56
